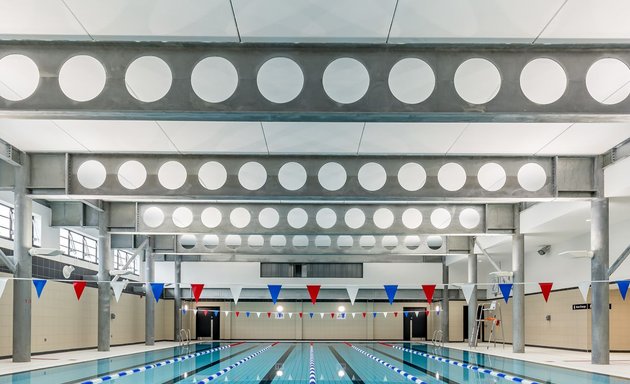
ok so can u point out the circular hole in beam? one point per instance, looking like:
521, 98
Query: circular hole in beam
435, 242
411, 80
268, 217
233, 241
354, 218
91, 174
532, 177
214, 79
252, 176
491, 177
148, 79
412, 218
297, 218
477, 81
372, 176
367, 241
82, 78
300, 241
19, 77
182, 217
132, 174
543, 81
440, 218
389, 242
323, 241
332, 176
210, 241
153, 217
383, 218
326, 218
412, 242
280, 80
172, 175
608, 81
292, 176
452, 177
188, 241
255, 241
240, 217
211, 217
345, 241
212, 175
346, 80
469, 218
278, 241
412, 177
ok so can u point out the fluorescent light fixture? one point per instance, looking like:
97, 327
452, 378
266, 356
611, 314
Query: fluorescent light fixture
502, 273
579, 254
45, 252
119, 272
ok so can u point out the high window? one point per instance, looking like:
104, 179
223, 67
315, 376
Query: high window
76, 245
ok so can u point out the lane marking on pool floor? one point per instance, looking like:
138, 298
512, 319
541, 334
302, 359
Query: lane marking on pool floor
463, 365
273, 371
427, 372
352, 374
394, 368
231, 367
311, 367
162, 363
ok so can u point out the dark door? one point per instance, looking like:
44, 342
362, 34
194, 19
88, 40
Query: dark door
481, 334
415, 326
208, 324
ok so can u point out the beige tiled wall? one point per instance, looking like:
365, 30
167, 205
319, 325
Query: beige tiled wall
61, 322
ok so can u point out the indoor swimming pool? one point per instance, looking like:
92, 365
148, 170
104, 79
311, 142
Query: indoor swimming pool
266, 362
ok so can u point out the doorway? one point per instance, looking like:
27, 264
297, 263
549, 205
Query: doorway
208, 323
482, 330
415, 325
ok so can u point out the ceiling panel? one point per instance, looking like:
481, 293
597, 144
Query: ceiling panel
590, 21
39, 19
409, 138
508, 139
37, 136
216, 137
315, 138
471, 21
118, 136
196, 20
587, 139
314, 20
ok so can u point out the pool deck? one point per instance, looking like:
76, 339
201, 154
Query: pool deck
619, 362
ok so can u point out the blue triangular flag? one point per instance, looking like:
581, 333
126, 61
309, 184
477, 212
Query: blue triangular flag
391, 292
39, 286
406, 313
157, 289
184, 311
216, 313
274, 291
623, 287
373, 314
506, 288
247, 313
311, 314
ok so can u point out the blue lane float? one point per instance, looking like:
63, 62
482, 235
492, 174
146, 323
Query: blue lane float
231, 367
133, 371
394, 368
463, 365
311, 368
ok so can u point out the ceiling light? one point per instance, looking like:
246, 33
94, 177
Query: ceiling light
579, 254
341, 308
280, 308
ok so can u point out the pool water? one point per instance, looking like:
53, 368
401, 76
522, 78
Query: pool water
266, 362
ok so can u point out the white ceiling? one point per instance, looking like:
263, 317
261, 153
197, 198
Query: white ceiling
320, 138
540, 21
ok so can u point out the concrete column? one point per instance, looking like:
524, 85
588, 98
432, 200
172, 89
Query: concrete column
600, 316
472, 279
444, 307
104, 295
149, 273
518, 290
178, 297
23, 242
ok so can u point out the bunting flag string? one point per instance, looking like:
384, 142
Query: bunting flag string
39, 286
274, 291
391, 292
506, 288
117, 287
546, 289
429, 290
313, 292
196, 289
3, 283
236, 292
157, 289
623, 288
79, 286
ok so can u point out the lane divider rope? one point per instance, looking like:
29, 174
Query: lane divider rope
311, 368
406, 375
471, 367
133, 371
231, 367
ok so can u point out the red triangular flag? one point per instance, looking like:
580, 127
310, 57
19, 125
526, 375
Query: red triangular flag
426, 312
332, 314
269, 314
79, 286
428, 291
300, 315
205, 312
196, 290
237, 313
313, 291
364, 313
546, 289
395, 314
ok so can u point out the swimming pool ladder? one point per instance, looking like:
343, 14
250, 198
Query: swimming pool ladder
488, 313
184, 337
438, 338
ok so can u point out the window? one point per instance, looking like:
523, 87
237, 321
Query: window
76, 245
121, 257
7, 218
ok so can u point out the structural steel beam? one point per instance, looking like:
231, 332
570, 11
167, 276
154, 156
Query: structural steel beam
312, 103
370, 178
620, 260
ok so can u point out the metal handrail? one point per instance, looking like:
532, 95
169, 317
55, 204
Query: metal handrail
184, 337
437, 339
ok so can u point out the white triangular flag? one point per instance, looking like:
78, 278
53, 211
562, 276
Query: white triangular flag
468, 289
353, 314
352, 293
416, 312
226, 313
195, 311
117, 287
236, 292
258, 314
321, 315
584, 287
384, 314
290, 315
3, 283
